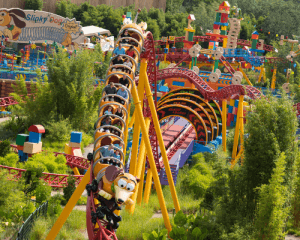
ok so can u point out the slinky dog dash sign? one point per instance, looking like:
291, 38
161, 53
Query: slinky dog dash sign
22, 26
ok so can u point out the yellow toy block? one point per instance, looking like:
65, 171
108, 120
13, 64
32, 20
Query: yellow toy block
32, 148
223, 27
68, 149
74, 145
2, 109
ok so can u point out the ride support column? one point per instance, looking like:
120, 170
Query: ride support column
160, 138
224, 123
140, 161
145, 135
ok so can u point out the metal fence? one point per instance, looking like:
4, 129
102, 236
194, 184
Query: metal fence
25, 229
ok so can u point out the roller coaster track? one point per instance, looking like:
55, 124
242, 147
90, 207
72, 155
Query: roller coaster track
52, 179
240, 42
177, 144
7, 101
207, 92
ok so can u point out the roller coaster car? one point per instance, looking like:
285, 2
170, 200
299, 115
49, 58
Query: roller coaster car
115, 104
136, 39
115, 78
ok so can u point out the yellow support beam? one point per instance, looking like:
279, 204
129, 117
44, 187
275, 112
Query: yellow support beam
224, 123
69, 207
273, 78
143, 68
244, 74
137, 102
135, 147
141, 184
132, 121
148, 185
75, 170
141, 157
237, 130
126, 133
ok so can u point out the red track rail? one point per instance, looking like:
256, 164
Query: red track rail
297, 108
53, 180
207, 92
7, 101
74, 161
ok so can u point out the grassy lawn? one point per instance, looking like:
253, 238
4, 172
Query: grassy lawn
73, 229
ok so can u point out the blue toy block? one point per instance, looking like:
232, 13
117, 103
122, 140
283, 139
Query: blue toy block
234, 118
20, 153
231, 124
23, 158
76, 137
166, 50
35, 137
230, 109
236, 103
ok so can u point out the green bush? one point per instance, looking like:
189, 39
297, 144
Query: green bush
10, 160
54, 205
12, 199
199, 178
69, 190
59, 130
4, 148
48, 162
187, 227
28, 209
42, 192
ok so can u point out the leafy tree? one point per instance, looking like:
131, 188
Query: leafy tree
72, 87
271, 127
64, 8
69, 95
271, 212
34, 4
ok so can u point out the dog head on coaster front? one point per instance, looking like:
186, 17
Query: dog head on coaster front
118, 185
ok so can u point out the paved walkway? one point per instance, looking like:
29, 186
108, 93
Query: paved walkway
4, 119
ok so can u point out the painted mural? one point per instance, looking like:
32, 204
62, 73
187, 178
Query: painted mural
22, 26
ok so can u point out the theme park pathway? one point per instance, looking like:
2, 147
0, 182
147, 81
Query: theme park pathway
4, 119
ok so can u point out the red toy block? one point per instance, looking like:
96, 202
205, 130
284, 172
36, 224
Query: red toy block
224, 18
37, 129
216, 26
